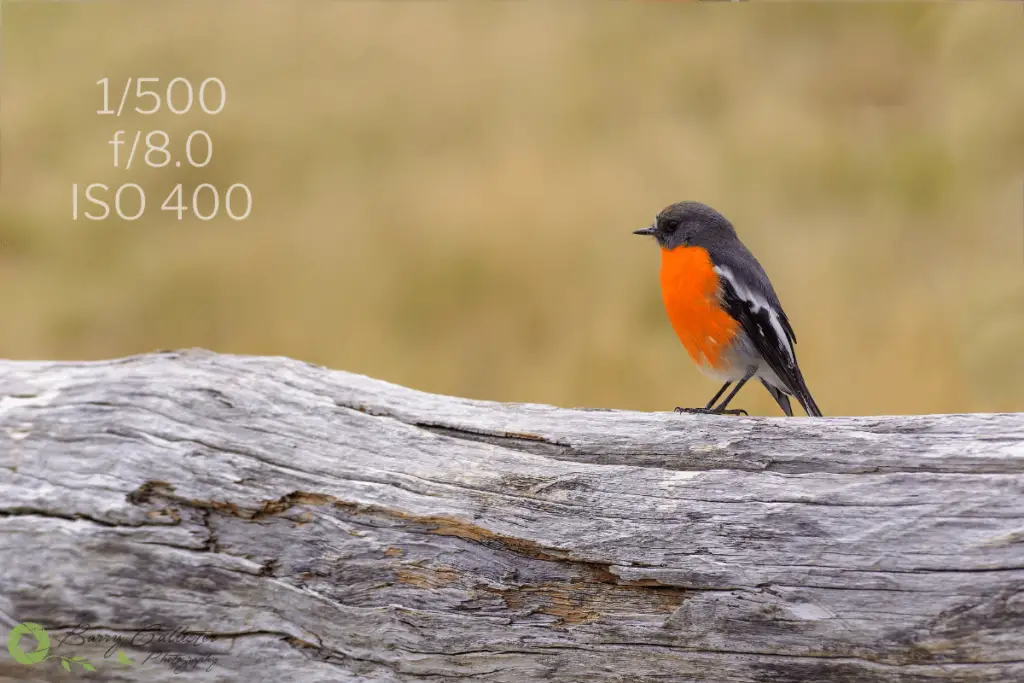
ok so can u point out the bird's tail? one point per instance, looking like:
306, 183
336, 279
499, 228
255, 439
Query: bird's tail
780, 396
803, 394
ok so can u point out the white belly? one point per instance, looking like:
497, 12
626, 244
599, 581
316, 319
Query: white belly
735, 362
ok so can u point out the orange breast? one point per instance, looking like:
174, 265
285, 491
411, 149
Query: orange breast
689, 287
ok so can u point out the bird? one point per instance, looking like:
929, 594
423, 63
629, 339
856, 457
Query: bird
724, 309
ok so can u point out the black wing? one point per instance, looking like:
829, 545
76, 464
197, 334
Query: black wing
768, 328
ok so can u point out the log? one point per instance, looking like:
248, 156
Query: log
235, 518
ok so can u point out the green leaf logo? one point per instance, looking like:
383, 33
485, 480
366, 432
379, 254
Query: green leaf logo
122, 658
42, 650
36, 631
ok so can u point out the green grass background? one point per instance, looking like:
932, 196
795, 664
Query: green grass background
444, 192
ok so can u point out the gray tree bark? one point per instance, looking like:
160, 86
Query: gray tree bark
317, 525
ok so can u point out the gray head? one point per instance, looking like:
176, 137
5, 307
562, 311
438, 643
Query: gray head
689, 224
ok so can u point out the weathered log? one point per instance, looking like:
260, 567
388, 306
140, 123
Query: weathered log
324, 526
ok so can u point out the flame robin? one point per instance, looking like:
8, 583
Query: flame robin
724, 309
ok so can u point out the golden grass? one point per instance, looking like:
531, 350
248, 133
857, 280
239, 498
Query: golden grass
444, 192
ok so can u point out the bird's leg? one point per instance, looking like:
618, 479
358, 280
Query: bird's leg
735, 390
721, 408
717, 396
707, 408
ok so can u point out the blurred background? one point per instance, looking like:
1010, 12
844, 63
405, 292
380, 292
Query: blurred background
443, 193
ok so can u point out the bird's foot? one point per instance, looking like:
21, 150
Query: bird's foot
712, 411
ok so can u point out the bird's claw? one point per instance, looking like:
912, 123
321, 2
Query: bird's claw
712, 411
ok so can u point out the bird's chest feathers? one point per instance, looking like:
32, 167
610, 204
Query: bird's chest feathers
691, 291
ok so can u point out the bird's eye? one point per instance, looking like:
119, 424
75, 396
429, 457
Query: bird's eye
668, 226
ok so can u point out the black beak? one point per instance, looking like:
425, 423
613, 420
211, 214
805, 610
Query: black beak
649, 230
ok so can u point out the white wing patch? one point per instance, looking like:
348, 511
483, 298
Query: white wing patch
756, 304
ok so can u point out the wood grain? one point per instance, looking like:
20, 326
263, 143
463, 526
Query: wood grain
325, 526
